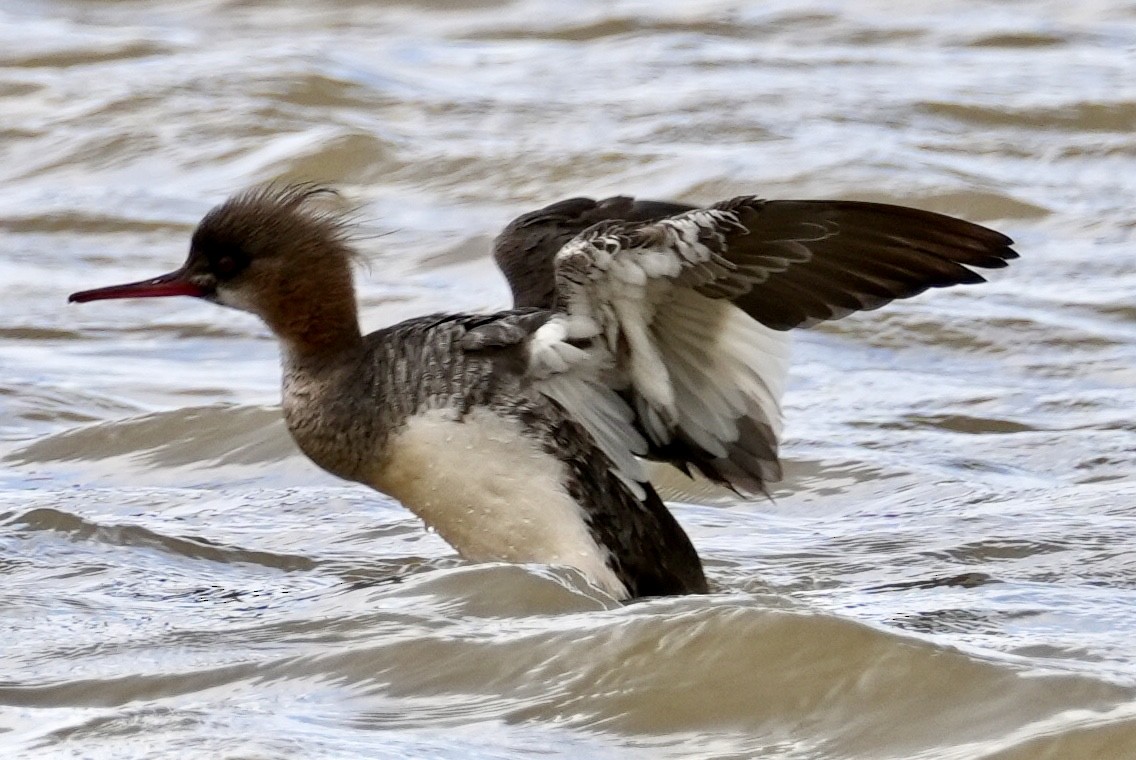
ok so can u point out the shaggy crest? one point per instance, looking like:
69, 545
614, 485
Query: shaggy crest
258, 219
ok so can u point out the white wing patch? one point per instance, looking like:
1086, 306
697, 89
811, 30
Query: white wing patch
723, 366
579, 380
697, 368
550, 353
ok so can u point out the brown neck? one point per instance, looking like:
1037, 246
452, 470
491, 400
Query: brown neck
320, 327
323, 332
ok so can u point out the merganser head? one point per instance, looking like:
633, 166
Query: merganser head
271, 251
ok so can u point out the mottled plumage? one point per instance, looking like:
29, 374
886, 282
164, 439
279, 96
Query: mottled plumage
641, 328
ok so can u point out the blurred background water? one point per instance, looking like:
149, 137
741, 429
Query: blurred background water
946, 572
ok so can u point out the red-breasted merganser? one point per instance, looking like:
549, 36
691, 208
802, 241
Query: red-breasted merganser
641, 329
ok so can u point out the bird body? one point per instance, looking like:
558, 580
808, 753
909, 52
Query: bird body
496, 467
642, 329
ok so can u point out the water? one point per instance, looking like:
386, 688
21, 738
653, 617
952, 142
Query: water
946, 572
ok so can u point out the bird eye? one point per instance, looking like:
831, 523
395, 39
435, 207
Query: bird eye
228, 265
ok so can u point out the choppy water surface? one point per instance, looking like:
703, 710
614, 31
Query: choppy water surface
947, 572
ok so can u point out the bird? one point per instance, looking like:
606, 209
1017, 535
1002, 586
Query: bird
641, 330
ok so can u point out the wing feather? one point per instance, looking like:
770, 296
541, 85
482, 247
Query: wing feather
682, 318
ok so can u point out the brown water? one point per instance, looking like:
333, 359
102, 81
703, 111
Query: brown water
948, 570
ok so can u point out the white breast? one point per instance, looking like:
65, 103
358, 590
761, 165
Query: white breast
492, 492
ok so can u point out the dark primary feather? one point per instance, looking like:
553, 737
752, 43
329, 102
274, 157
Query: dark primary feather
803, 262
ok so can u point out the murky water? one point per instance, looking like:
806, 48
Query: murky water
948, 570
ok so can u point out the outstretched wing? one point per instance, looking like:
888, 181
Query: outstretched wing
795, 263
683, 316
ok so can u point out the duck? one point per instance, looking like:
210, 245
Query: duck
641, 330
